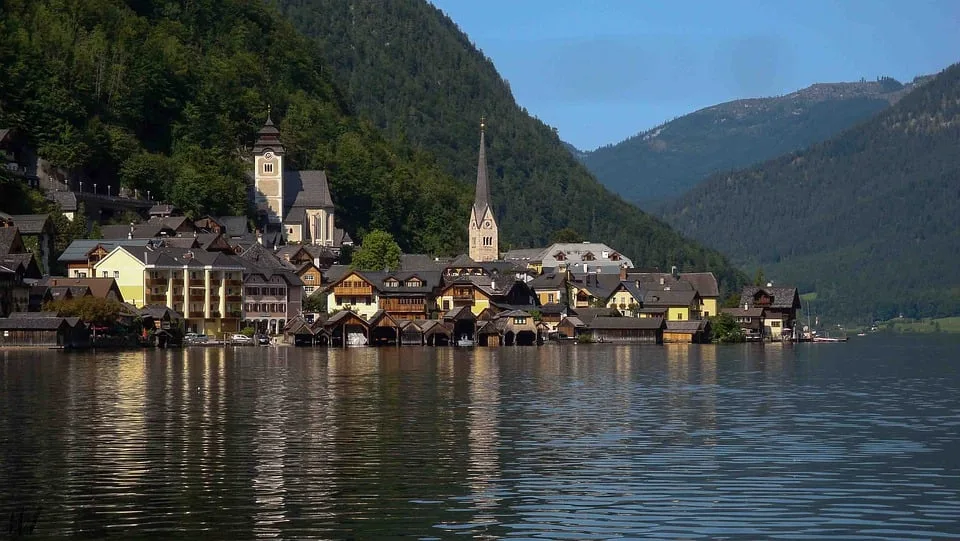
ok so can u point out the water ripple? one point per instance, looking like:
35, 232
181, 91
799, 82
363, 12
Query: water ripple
600, 442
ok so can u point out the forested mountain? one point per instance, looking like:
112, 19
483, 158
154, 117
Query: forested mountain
869, 220
664, 162
167, 96
408, 68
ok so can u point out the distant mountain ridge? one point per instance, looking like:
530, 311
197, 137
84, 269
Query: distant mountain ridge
869, 220
663, 162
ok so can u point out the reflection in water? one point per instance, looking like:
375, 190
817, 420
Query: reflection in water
483, 472
677, 442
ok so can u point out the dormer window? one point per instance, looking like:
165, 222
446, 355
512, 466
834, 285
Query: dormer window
414, 282
560, 256
392, 283
589, 256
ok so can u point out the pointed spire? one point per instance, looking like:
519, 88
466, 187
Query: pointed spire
482, 199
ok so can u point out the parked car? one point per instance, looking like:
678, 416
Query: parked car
241, 339
263, 340
194, 338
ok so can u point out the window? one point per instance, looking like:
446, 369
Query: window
414, 283
488, 241
268, 168
775, 324
446, 305
116, 274
105, 274
308, 278
519, 321
550, 298
308, 290
392, 283
81, 274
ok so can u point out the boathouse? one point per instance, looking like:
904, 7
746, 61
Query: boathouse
26, 329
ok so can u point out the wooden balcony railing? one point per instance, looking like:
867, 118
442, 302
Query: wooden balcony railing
361, 291
392, 305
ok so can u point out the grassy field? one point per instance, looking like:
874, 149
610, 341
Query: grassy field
945, 324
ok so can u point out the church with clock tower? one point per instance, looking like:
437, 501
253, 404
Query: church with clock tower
295, 205
482, 229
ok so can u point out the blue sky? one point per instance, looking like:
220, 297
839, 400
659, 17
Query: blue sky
602, 71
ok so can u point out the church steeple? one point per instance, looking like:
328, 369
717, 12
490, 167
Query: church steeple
482, 228
481, 200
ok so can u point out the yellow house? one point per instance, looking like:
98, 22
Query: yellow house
206, 287
550, 288
127, 270
627, 298
706, 285
356, 292
681, 305
464, 293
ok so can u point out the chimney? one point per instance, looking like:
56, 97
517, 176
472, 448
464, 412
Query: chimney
187, 255
661, 280
586, 268
130, 233
674, 271
493, 285
260, 237
746, 306
623, 273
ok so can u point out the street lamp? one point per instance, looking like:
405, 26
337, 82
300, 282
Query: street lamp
148, 195
94, 187
81, 186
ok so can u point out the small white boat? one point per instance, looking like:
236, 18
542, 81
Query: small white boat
828, 339
465, 342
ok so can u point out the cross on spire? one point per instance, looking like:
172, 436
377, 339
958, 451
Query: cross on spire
483, 123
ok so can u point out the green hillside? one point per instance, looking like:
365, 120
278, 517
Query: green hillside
166, 96
870, 220
664, 162
407, 67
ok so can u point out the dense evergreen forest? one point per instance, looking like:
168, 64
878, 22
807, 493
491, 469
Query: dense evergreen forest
662, 163
869, 220
167, 96
407, 68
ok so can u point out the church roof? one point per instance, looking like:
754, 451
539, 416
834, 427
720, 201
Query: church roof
306, 189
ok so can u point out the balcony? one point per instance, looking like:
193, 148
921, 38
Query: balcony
353, 291
394, 305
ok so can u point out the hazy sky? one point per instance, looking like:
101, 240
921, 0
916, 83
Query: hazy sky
601, 71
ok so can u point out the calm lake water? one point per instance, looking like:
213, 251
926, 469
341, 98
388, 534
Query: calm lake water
816, 441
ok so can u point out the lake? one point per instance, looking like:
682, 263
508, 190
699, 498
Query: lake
812, 441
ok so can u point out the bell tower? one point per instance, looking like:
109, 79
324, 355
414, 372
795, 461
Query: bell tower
268, 172
482, 228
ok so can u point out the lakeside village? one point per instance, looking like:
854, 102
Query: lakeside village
173, 280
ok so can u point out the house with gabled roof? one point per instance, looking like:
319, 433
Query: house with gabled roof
779, 304
485, 292
273, 293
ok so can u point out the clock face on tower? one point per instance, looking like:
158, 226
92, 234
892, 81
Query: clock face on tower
487, 224
268, 155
